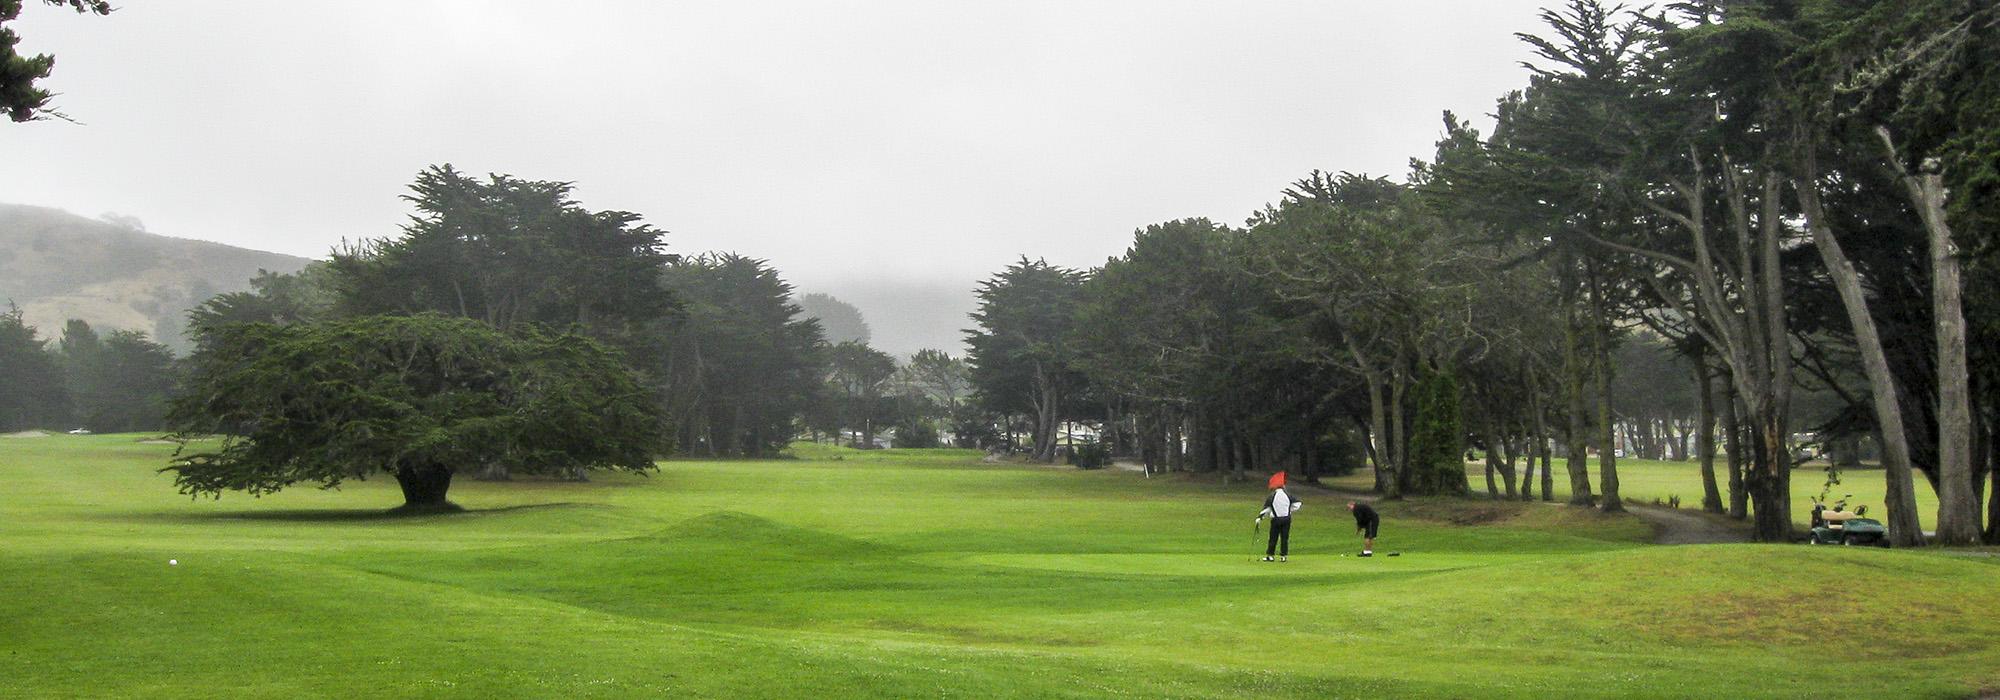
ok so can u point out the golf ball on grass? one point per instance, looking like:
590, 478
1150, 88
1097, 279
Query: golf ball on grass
173, 562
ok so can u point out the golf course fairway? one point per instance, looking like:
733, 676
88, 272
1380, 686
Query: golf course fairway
908, 573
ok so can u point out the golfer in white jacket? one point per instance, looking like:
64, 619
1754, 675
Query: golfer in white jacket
1280, 506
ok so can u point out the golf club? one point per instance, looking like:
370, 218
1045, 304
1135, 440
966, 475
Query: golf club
1255, 528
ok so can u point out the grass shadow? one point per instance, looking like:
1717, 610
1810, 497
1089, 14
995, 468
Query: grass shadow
340, 515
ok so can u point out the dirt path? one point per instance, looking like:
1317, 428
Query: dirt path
1675, 526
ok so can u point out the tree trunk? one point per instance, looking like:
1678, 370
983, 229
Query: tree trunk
1980, 464
1739, 500
1704, 445
1771, 517
1048, 401
1542, 447
1958, 510
1378, 418
1534, 446
1993, 503
1506, 465
1492, 465
1600, 346
1528, 475
1777, 526
1650, 443
1368, 442
1677, 438
1900, 501
1548, 470
424, 487
1578, 435
1993, 473
1398, 441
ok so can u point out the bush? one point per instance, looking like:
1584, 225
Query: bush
1090, 456
915, 433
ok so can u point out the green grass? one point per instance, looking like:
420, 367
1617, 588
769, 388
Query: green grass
1646, 480
923, 573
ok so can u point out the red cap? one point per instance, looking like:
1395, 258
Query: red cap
1277, 480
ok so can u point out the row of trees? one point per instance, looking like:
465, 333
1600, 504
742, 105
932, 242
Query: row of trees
1793, 197
119, 382
504, 311
737, 368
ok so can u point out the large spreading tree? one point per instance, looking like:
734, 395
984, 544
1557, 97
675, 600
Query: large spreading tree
421, 398
508, 251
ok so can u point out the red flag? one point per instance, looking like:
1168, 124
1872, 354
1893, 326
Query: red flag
1277, 480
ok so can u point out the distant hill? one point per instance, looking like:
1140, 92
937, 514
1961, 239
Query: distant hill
57, 266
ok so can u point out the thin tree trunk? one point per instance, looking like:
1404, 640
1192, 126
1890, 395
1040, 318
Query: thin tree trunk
1542, 446
1676, 448
1578, 434
1548, 468
1958, 510
1399, 455
1534, 446
1900, 501
1600, 345
1993, 503
1368, 441
1492, 465
1739, 498
1980, 462
1993, 477
1775, 527
1704, 446
1378, 449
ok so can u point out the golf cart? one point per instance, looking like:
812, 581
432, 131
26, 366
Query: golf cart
1837, 526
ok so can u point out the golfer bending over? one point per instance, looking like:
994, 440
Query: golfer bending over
1280, 506
1365, 523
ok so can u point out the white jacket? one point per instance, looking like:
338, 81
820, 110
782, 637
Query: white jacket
1279, 505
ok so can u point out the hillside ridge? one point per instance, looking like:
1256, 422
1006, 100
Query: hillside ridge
56, 266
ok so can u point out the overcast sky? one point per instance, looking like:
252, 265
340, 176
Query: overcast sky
884, 152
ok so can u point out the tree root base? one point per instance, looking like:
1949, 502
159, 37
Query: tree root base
441, 507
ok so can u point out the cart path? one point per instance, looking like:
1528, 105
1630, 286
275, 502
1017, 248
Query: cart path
1675, 526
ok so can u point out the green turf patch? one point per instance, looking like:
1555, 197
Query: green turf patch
928, 573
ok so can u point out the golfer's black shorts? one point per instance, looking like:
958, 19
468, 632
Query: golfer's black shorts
1370, 527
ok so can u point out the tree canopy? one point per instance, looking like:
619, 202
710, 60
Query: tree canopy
420, 397
32, 393
838, 320
741, 364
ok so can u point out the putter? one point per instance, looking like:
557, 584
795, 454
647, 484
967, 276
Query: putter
1255, 528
